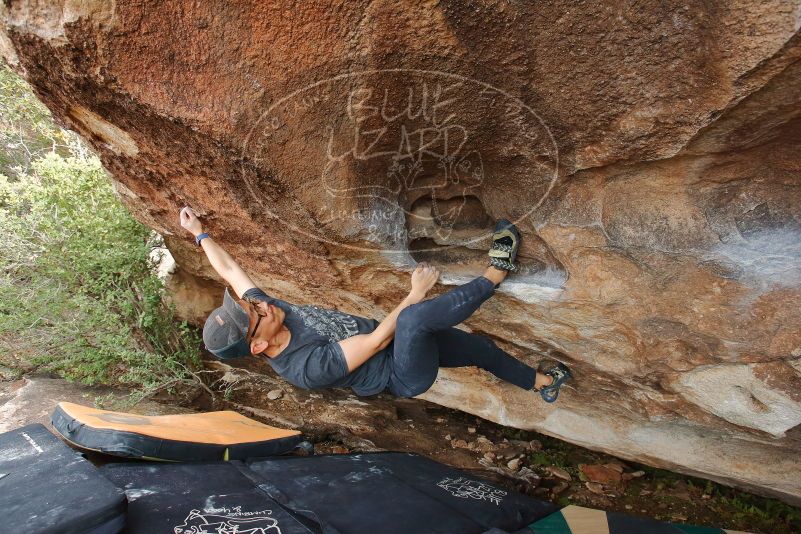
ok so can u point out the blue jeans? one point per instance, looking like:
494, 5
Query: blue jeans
425, 340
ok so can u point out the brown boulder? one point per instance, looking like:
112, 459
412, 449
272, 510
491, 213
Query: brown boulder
649, 155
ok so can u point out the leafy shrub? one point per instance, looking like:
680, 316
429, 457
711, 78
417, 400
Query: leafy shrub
77, 291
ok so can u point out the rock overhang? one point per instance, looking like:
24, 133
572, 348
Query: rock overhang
650, 157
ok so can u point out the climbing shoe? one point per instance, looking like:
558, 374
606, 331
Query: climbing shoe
559, 373
505, 242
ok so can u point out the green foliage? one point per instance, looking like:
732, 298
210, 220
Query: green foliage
769, 514
26, 129
732, 507
77, 291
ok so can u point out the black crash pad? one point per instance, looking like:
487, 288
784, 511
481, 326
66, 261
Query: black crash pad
198, 498
47, 487
396, 492
390, 493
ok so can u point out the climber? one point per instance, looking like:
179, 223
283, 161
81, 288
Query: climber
315, 348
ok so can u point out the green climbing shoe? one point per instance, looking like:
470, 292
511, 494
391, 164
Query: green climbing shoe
505, 242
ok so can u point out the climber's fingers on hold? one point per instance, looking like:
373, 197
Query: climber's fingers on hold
187, 215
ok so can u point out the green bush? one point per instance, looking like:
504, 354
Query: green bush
77, 291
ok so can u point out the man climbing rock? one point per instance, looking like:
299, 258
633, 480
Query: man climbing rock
316, 348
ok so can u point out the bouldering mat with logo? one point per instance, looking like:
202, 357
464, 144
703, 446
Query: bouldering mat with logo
187, 437
47, 487
390, 493
198, 498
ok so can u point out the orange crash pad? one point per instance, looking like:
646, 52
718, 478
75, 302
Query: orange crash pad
187, 437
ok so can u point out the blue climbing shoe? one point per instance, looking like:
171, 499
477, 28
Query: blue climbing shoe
505, 242
559, 373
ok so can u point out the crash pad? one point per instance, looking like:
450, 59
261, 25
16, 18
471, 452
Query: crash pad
223, 435
580, 520
390, 493
394, 492
198, 498
47, 487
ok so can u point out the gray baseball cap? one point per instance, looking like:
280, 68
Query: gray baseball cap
226, 329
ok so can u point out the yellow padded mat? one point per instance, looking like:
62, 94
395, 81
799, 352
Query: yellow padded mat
218, 428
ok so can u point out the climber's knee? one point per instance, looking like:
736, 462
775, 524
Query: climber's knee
418, 388
408, 320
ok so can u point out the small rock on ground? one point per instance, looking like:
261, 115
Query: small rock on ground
600, 473
595, 487
559, 488
529, 476
514, 465
558, 472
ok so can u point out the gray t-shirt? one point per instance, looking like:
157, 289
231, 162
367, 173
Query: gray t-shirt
314, 360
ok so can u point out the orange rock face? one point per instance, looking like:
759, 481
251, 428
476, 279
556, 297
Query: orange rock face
650, 156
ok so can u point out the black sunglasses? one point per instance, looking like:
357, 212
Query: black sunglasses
253, 308
255, 327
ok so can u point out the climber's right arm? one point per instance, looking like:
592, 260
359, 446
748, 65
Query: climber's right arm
222, 262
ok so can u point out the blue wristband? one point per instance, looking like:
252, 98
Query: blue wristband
200, 237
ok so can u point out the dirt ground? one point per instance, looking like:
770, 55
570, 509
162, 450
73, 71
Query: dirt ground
337, 422
544, 467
